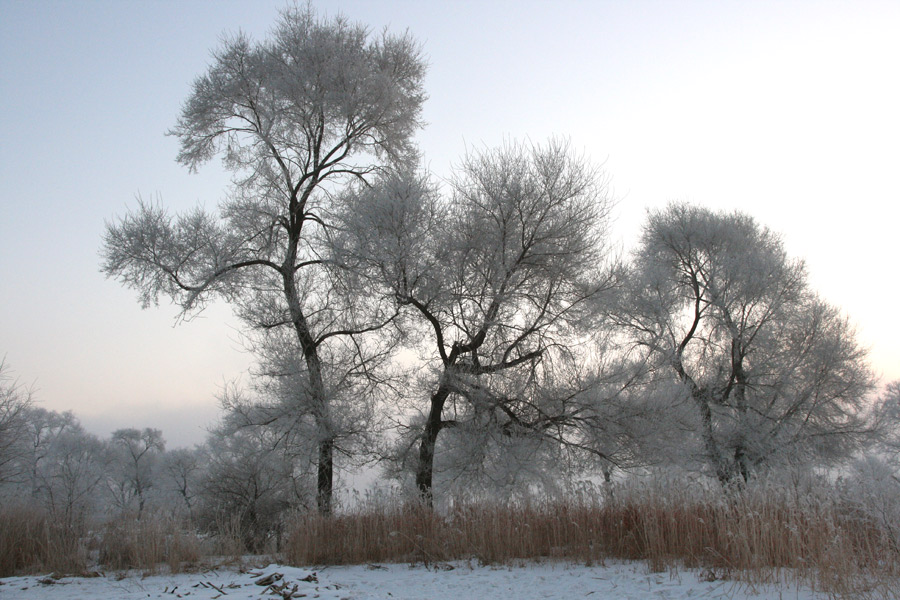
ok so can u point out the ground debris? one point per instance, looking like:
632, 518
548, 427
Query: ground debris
269, 579
285, 590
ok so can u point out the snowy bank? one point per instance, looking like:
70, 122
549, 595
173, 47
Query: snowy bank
456, 581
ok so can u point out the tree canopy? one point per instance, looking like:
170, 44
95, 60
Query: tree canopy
294, 117
774, 372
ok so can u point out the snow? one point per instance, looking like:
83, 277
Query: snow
456, 581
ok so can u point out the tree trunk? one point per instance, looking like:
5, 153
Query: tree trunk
433, 426
740, 461
325, 470
706, 424
709, 440
740, 397
325, 467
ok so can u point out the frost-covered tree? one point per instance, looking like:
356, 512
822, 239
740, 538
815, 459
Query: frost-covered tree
774, 373
872, 482
44, 427
887, 414
181, 473
134, 458
495, 280
15, 401
279, 398
67, 466
294, 117
250, 483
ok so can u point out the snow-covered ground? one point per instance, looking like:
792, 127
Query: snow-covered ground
459, 581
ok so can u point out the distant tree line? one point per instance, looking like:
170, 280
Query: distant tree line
239, 480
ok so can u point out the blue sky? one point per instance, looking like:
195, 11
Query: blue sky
785, 110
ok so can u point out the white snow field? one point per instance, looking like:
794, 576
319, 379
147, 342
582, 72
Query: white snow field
457, 581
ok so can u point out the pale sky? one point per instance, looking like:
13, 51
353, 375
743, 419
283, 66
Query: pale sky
785, 110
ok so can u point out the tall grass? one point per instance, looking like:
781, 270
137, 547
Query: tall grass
31, 541
127, 542
815, 534
763, 534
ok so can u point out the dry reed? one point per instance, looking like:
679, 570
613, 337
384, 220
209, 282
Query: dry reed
763, 534
147, 543
31, 541
760, 535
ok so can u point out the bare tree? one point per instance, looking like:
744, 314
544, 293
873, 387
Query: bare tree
14, 404
888, 407
250, 483
44, 428
498, 277
319, 104
774, 373
355, 375
135, 454
67, 467
182, 472
872, 483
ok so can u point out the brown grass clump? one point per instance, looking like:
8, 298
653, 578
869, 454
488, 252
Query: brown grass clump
20, 546
148, 543
30, 541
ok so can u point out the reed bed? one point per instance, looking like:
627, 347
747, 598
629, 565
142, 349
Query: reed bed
761, 535
817, 535
31, 541
127, 542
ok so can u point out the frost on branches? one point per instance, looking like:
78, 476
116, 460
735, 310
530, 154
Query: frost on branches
294, 117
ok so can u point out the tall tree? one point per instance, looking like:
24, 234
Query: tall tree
498, 277
320, 103
774, 372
